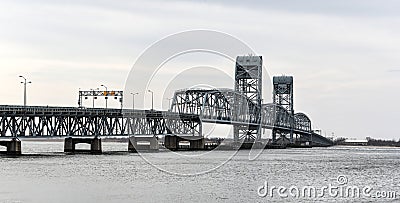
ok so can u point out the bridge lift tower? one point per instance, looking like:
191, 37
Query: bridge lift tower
283, 96
248, 81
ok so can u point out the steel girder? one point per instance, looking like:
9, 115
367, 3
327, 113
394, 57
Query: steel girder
281, 121
162, 122
223, 106
302, 122
229, 107
34, 121
216, 105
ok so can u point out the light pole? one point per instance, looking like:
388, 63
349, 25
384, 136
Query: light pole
106, 93
25, 82
80, 98
133, 100
152, 99
169, 102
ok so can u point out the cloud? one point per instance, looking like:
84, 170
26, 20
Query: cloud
368, 9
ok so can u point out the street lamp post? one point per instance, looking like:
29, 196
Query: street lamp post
169, 102
133, 100
152, 99
105, 94
25, 82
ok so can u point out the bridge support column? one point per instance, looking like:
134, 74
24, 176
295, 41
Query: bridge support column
133, 145
195, 142
69, 145
198, 144
13, 146
95, 144
171, 142
273, 136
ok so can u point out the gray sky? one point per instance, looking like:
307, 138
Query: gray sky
344, 55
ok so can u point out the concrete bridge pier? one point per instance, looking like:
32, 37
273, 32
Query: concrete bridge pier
95, 144
13, 146
198, 144
135, 146
195, 142
273, 136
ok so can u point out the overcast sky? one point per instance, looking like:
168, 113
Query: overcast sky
344, 55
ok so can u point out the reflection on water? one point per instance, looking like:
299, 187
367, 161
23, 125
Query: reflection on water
52, 176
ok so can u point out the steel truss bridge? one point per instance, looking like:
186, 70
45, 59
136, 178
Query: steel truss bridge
38, 121
241, 107
229, 107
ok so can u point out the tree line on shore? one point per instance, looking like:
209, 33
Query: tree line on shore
371, 142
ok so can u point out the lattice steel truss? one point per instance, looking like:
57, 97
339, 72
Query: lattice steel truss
248, 82
225, 106
302, 122
283, 96
283, 92
62, 121
217, 106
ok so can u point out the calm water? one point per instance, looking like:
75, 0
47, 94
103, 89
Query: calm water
52, 176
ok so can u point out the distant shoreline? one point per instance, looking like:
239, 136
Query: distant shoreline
366, 146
